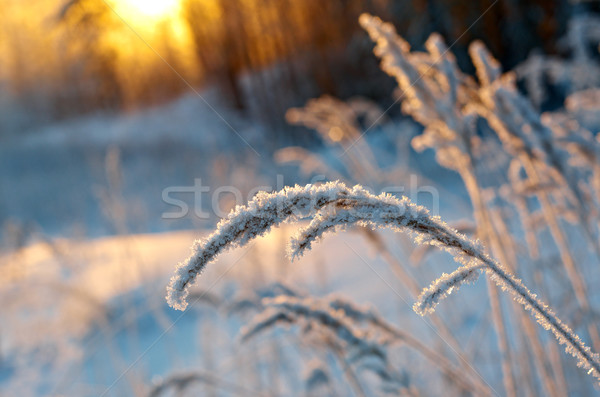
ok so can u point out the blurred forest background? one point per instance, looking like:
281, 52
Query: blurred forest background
60, 59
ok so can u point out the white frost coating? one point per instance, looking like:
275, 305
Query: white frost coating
338, 206
444, 286
247, 222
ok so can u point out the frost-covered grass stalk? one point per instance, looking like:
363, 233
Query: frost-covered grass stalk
333, 207
435, 93
278, 303
337, 123
449, 103
343, 316
183, 381
363, 333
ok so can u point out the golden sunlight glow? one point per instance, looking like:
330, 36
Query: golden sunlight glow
148, 10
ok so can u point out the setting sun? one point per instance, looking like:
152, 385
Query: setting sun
149, 9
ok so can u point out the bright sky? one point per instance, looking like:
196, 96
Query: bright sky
147, 12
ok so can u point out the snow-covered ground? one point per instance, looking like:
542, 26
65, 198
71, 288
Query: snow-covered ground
89, 316
55, 178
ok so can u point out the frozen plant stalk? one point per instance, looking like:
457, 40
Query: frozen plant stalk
333, 207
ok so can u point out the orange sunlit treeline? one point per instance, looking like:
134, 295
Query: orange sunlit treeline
60, 58
70, 57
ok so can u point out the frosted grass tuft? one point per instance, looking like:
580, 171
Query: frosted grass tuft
333, 207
